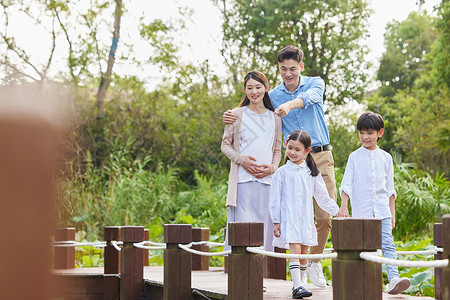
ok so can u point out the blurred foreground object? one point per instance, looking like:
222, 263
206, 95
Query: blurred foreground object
27, 165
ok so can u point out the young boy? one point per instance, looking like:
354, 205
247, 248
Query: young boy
369, 183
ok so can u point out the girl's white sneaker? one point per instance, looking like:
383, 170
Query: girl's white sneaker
398, 285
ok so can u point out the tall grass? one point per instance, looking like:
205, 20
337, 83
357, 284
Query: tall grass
127, 192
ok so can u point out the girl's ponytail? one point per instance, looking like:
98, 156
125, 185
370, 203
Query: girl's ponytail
312, 165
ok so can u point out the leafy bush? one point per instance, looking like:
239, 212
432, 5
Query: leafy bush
419, 195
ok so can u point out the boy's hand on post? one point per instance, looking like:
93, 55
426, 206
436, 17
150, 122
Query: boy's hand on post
228, 117
263, 171
250, 165
276, 229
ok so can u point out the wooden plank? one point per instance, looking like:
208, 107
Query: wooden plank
185, 277
177, 262
27, 164
111, 255
88, 284
256, 269
64, 256
78, 297
438, 275
200, 262
238, 274
111, 287
215, 282
131, 283
446, 254
239, 234
276, 267
341, 238
145, 252
371, 234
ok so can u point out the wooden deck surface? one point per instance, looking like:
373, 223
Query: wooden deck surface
216, 281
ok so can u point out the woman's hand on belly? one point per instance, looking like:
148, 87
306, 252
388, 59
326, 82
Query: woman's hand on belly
263, 171
250, 165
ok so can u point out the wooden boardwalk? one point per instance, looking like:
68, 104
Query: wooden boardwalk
215, 281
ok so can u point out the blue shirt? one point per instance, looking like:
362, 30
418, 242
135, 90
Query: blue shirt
310, 117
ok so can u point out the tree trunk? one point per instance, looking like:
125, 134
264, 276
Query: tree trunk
104, 84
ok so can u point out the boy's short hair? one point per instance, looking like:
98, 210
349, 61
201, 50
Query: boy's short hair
370, 120
290, 52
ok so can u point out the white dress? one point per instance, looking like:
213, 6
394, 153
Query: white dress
252, 199
291, 204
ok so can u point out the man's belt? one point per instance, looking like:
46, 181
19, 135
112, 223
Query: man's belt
316, 149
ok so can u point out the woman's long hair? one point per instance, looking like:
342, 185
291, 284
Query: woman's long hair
304, 138
260, 77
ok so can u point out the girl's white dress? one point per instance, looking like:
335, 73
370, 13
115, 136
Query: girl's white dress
291, 203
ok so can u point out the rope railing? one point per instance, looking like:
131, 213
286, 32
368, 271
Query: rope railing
141, 245
188, 249
115, 244
373, 257
208, 243
257, 250
260, 250
77, 244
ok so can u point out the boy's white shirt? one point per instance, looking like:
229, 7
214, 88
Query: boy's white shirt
369, 183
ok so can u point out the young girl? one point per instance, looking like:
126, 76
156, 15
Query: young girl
291, 204
253, 144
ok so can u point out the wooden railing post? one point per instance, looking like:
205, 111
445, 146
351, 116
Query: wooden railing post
65, 256
354, 278
132, 269
146, 238
200, 262
446, 254
29, 155
111, 279
276, 267
177, 262
245, 271
225, 260
437, 237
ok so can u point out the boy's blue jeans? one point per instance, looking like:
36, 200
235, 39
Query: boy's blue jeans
388, 247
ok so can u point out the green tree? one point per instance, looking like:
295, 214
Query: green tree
406, 43
329, 32
417, 117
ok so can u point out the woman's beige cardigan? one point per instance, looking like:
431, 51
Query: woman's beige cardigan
230, 146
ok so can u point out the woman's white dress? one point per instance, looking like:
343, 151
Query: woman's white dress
291, 203
252, 201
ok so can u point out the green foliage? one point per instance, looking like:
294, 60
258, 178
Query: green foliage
343, 135
419, 195
87, 256
406, 43
416, 111
422, 279
254, 32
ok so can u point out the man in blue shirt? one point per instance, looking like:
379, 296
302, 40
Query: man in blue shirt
299, 101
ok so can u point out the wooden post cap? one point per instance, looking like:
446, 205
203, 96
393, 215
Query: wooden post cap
356, 234
132, 234
65, 234
177, 233
111, 233
246, 234
200, 234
